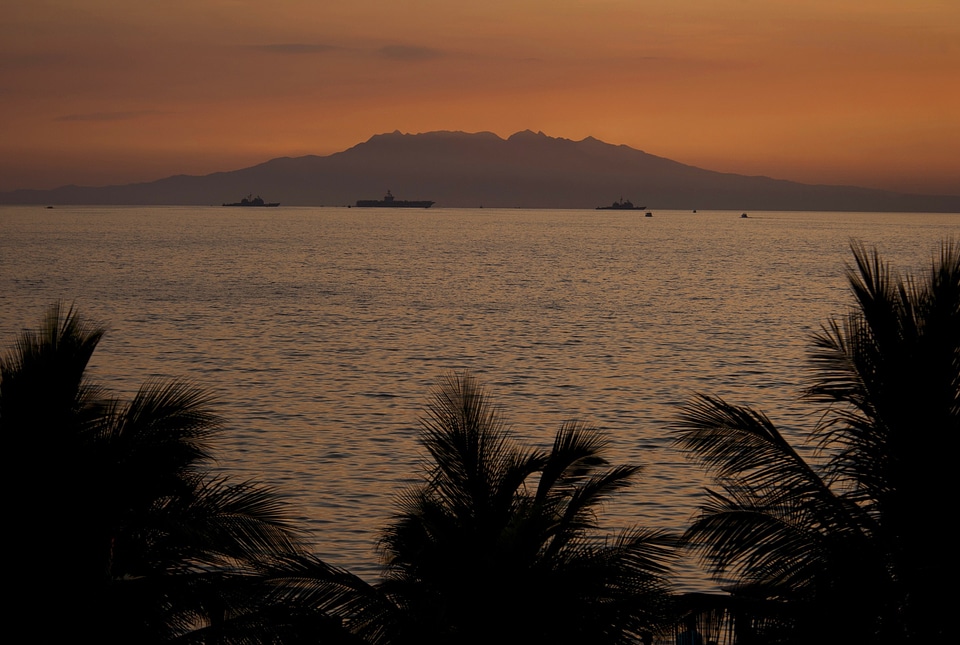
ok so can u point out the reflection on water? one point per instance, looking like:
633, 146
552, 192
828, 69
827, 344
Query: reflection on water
322, 331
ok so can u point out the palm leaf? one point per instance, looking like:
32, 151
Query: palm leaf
475, 552
736, 442
851, 536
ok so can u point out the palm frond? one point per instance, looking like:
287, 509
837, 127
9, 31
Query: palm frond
226, 520
577, 450
42, 378
775, 544
849, 536
578, 512
736, 443
878, 293
159, 549
307, 583
164, 431
64, 340
473, 546
466, 439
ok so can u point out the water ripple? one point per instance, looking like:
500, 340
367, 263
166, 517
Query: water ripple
322, 331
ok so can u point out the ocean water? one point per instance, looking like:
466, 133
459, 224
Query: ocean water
322, 331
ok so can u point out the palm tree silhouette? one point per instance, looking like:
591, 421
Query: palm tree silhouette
499, 543
122, 534
850, 537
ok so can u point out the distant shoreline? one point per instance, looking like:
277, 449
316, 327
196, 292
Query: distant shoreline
586, 210
461, 170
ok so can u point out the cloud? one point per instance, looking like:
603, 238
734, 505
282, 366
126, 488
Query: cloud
295, 48
409, 52
107, 116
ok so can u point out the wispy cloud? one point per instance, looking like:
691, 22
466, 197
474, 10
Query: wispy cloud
107, 116
409, 52
294, 48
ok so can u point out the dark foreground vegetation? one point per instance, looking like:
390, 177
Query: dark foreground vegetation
850, 548
120, 532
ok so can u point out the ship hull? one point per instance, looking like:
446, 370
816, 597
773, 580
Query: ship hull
253, 202
378, 203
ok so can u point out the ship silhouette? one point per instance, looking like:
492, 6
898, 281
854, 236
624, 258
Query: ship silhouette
250, 200
389, 201
622, 205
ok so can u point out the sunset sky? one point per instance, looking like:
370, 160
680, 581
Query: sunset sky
97, 92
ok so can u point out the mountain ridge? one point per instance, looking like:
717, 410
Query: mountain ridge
458, 169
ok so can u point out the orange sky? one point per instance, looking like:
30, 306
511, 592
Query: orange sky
842, 91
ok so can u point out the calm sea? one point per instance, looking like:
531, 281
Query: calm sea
323, 330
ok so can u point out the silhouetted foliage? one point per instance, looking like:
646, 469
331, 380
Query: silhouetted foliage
500, 544
120, 534
853, 540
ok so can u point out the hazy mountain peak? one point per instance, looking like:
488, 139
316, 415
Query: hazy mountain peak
432, 135
528, 135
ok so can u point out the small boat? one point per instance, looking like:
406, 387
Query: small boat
622, 205
389, 201
743, 215
648, 214
250, 200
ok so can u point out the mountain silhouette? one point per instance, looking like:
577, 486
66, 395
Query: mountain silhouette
458, 169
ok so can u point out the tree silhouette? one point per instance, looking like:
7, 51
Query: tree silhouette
853, 537
121, 533
500, 543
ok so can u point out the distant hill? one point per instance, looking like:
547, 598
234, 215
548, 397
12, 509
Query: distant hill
457, 169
